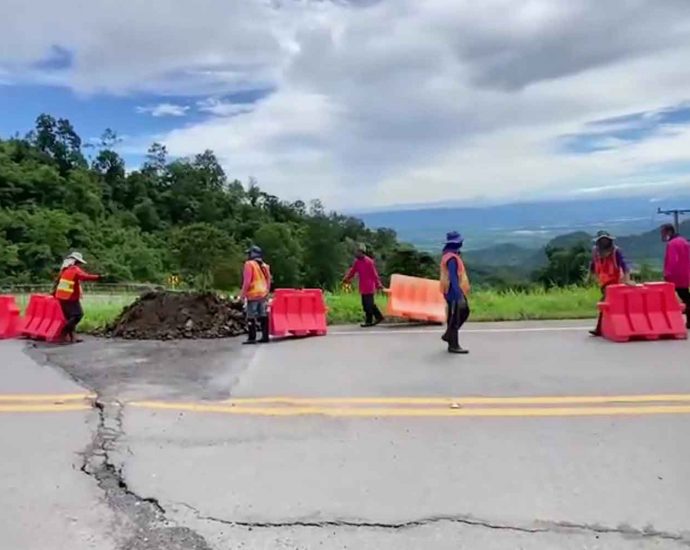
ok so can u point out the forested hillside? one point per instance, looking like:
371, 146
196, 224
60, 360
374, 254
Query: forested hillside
169, 217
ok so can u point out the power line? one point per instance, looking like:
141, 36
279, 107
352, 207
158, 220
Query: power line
676, 213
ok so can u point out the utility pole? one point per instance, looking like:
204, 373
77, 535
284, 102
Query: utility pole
676, 213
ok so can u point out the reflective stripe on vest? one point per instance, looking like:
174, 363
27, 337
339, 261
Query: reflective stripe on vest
462, 273
65, 289
258, 288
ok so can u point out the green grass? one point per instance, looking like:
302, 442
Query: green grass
99, 313
486, 305
562, 303
99, 309
489, 305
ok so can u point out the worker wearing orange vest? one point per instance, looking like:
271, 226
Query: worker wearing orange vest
608, 266
256, 286
455, 286
68, 292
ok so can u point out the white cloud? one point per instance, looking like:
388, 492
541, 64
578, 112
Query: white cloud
388, 101
219, 107
164, 109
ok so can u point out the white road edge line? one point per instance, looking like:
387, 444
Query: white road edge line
393, 332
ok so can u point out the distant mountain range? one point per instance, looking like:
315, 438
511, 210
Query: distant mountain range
645, 248
529, 225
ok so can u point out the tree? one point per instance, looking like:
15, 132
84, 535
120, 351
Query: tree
324, 255
180, 216
211, 174
59, 140
566, 266
406, 260
156, 163
199, 248
111, 169
282, 250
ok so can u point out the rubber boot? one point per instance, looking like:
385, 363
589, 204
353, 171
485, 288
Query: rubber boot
265, 338
251, 330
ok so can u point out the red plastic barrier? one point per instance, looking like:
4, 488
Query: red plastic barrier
298, 313
10, 322
643, 312
44, 319
34, 314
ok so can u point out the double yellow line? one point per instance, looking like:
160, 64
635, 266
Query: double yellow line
370, 407
381, 407
45, 402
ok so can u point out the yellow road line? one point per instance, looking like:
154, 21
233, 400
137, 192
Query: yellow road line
32, 397
407, 412
545, 400
43, 408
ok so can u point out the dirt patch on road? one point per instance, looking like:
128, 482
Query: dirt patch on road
177, 315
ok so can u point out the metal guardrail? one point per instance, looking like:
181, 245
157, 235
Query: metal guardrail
91, 288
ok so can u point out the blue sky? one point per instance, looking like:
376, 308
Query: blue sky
91, 114
371, 103
606, 134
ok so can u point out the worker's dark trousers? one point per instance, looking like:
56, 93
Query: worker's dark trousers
684, 295
73, 315
458, 313
371, 310
603, 299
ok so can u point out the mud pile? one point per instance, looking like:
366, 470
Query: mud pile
177, 315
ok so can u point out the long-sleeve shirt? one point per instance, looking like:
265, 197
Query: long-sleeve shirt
365, 269
454, 292
677, 262
620, 262
77, 274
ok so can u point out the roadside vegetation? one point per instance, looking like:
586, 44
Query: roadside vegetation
344, 308
183, 223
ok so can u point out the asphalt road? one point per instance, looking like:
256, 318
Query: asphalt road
541, 438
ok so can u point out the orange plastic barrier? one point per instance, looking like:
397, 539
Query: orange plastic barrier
10, 322
643, 312
298, 313
416, 298
44, 319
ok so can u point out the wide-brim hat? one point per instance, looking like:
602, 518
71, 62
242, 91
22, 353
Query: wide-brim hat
77, 257
454, 238
604, 235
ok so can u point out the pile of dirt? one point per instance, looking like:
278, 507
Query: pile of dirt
176, 315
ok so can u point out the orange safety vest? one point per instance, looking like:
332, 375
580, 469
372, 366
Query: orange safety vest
462, 273
67, 284
260, 281
607, 269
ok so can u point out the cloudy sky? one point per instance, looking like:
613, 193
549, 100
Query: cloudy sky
367, 103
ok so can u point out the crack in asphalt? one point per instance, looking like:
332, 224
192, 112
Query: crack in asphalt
97, 462
142, 524
145, 526
540, 527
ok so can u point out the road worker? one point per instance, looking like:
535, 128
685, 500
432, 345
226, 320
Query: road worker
256, 286
455, 286
68, 292
677, 265
608, 266
364, 268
